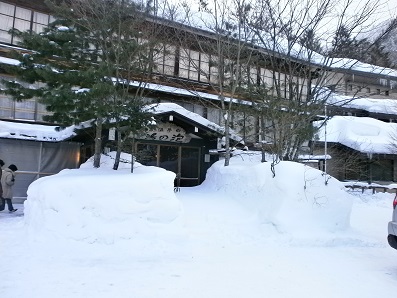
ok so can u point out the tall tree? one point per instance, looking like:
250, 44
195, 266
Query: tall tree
344, 45
225, 56
89, 58
295, 79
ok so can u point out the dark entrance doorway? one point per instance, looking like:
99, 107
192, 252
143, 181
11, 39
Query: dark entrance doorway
183, 161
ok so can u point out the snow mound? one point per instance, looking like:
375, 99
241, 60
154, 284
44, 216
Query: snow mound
100, 205
295, 201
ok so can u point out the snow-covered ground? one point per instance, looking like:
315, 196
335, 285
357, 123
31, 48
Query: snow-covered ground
242, 233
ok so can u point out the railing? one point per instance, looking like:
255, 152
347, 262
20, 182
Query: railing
389, 188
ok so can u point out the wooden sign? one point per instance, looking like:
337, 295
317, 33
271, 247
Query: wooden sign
167, 132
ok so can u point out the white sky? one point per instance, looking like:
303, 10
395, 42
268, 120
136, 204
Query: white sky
100, 233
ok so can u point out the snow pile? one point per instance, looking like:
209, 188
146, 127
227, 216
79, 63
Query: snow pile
105, 206
295, 201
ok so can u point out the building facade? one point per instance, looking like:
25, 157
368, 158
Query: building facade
184, 73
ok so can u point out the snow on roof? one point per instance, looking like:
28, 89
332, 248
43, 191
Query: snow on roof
366, 135
180, 91
310, 157
373, 105
355, 65
279, 45
201, 20
172, 107
9, 61
198, 19
36, 132
52, 133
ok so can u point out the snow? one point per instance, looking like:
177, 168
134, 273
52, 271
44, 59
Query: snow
355, 65
37, 132
9, 61
242, 233
205, 22
373, 105
364, 134
140, 206
160, 108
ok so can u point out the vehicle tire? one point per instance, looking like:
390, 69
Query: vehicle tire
392, 239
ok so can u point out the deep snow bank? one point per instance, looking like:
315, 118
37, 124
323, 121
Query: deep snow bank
295, 201
102, 205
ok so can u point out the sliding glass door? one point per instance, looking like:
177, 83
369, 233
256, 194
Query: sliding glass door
183, 161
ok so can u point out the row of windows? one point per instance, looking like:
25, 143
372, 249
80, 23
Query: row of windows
368, 90
15, 17
169, 60
196, 66
27, 110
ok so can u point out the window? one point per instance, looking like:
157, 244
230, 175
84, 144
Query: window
7, 9
25, 109
267, 77
7, 12
249, 74
169, 59
193, 65
28, 109
204, 67
164, 59
23, 14
40, 18
184, 63
214, 69
15, 17
4, 36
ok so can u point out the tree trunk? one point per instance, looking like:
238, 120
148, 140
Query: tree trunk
227, 140
263, 136
98, 143
132, 154
118, 152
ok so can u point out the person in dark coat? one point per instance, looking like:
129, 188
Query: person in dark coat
7, 181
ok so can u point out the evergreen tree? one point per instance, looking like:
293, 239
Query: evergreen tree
344, 45
374, 53
85, 60
310, 41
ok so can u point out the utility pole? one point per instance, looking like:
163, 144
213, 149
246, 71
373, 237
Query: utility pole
325, 145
